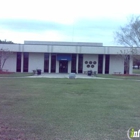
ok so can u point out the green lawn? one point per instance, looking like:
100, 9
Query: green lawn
67, 109
134, 77
136, 71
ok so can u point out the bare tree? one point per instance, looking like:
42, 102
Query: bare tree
125, 55
129, 36
4, 55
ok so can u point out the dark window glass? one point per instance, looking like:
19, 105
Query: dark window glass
18, 68
80, 64
107, 61
73, 63
100, 63
46, 62
25, 61
53, 62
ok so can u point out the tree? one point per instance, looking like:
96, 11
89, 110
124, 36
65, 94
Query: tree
129, 36
6, 42
136, 62
4, 55
125, 57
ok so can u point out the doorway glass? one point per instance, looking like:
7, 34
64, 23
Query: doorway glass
63, 66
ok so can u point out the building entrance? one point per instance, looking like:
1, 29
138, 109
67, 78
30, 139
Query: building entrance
63, 66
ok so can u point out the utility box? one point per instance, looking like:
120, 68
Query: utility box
38, 71
72, 76
89, 73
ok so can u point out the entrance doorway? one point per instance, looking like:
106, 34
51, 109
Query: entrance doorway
63, 66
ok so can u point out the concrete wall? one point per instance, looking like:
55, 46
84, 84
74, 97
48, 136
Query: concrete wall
90, 57
36, 61
116, 64
10, 63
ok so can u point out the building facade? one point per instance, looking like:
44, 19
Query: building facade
65, 57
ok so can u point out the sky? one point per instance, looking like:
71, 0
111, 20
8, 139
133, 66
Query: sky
64, 20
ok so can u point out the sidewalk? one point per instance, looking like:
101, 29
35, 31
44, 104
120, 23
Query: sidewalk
60, 75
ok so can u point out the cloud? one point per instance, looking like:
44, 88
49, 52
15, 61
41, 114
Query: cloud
30, 25
84, 29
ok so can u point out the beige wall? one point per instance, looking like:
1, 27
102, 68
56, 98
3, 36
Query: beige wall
116, 64
36, 61
10, 63
90, 57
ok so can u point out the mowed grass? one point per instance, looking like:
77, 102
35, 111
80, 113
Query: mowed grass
67, 109
136, 71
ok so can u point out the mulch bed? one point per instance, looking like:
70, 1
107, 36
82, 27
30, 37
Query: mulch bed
6, 72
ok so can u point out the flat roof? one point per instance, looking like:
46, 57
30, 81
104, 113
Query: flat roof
63, 43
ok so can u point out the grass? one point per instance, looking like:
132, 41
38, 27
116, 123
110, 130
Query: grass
136, 71
119, 76
66, 109
131, 77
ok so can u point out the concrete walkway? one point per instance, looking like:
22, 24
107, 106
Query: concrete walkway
59, 75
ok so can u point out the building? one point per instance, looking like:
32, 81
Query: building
65, 57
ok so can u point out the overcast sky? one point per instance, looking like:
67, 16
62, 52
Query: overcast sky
64, 20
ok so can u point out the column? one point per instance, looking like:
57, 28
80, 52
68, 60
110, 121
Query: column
57, 67
49, 62
69, 66
77, 60
103, 71
131, 65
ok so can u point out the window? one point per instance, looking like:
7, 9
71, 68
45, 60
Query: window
53, 62
18, 68
46, 62
80, 64
100, 63
25, 61
73, 63
107, 61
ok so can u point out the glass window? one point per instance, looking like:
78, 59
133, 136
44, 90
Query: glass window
80, 64
73, 63
53, 62
100, 63
25, 61
46, 62
18, 68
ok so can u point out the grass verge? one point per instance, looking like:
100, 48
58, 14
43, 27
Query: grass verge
136, 71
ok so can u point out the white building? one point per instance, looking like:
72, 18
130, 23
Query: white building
65, 57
